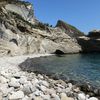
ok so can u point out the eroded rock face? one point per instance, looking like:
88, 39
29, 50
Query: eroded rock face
21, 33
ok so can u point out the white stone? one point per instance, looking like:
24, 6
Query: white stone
5, 74
26, 98
4, 89
64, 97
42, 88
92, 98
81, 96
38, 98
46, 97
55, 97
3, 80
45, 83
16, 95
70, 85
17, 75
37, 93
1, 95
14, 83
40, 76
23, 80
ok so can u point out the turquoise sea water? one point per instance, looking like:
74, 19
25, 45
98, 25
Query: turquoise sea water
79, 67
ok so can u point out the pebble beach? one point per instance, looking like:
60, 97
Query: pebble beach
16, 84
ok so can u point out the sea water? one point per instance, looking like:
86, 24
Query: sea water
78, 67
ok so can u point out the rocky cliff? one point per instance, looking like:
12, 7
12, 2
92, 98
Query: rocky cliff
21, 33
91, 42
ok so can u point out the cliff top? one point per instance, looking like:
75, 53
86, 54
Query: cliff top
73, 31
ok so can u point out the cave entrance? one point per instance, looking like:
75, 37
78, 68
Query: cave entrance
59, 52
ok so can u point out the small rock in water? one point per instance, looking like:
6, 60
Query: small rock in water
81, 96
16, 95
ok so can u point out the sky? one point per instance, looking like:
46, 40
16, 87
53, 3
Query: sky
83, 14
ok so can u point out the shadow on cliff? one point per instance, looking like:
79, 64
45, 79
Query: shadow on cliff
89, 45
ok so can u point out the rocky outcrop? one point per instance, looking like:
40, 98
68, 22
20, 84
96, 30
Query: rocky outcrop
21, 33
69, 29
91, 42
94, 34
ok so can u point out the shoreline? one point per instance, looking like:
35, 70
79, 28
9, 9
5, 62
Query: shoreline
18, 84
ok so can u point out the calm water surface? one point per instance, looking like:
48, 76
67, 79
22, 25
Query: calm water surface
80, 67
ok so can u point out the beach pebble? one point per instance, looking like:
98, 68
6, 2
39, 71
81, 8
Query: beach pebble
81, 96
40, 76
38, 98
92, 98
50, 91
4, 89
17, 75
16, 95
23, 80
55, 97
45, 97
1, 96
37, 93
3, 79
26, 98
14, 83
45, 83
27, 89
42, 88
65, 97
5, 74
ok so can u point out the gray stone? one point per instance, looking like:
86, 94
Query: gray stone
27, 89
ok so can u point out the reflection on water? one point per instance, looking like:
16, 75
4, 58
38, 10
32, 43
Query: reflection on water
78, 67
